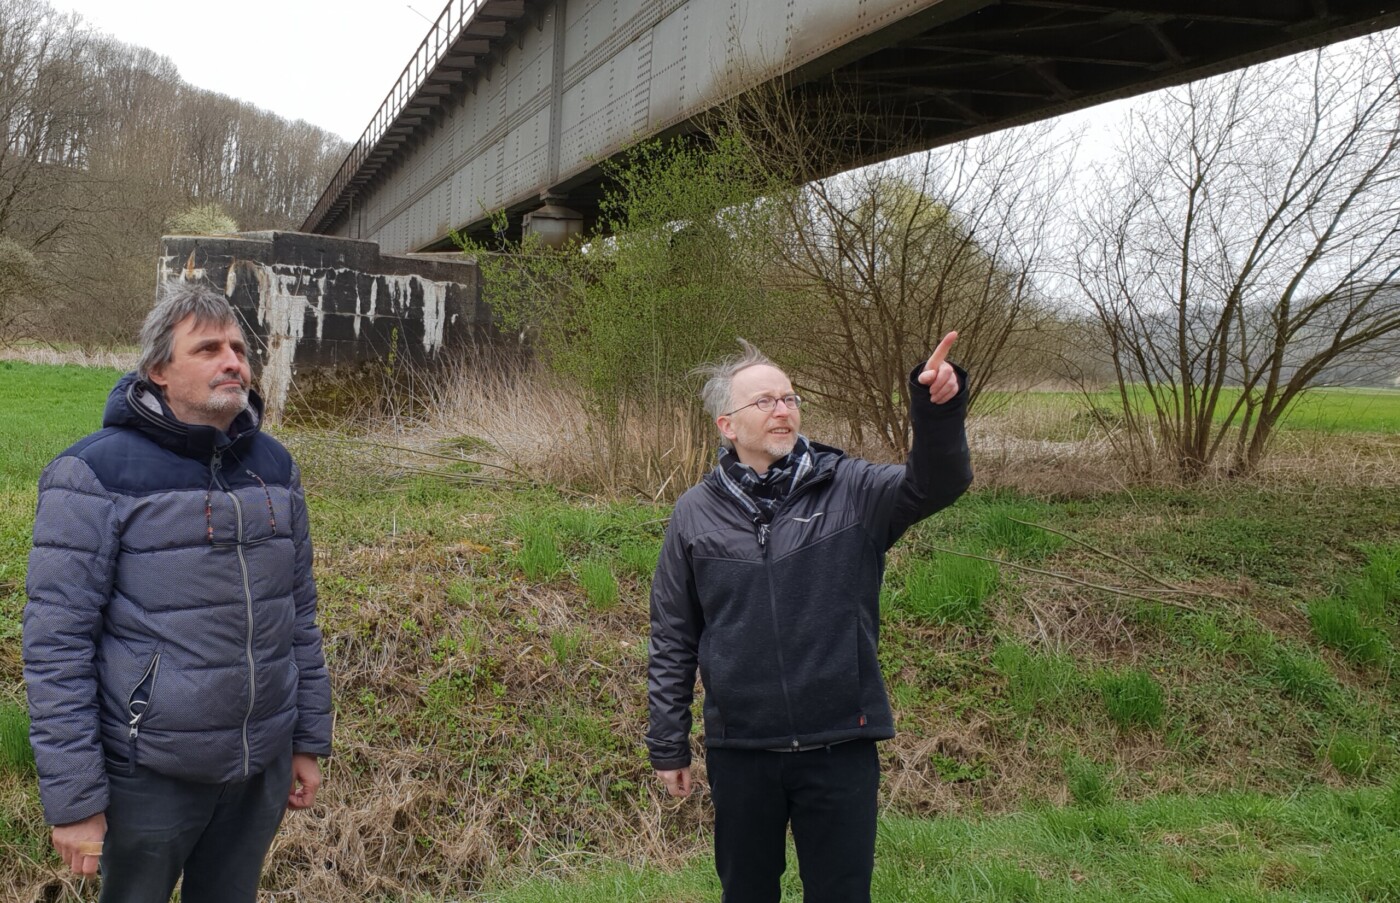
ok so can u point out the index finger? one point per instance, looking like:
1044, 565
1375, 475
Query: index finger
940, 354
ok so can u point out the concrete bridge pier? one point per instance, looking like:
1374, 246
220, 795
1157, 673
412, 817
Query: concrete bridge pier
554, 223
325, 305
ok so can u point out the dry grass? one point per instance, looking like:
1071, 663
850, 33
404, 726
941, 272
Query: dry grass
459, 757
114, 359
526, 424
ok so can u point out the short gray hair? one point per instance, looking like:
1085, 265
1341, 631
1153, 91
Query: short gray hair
179, 299
718, 391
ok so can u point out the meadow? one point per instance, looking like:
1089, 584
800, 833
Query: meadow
1329, 411
1104, 690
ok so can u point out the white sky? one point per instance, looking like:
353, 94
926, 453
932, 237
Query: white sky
330, 62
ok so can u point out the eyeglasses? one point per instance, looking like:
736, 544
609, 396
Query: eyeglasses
767, 403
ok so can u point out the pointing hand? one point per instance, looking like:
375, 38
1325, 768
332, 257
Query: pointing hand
939, 375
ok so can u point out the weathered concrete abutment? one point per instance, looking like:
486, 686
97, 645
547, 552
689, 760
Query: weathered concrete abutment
313, 301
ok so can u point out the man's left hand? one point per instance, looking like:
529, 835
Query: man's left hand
939, 375
306, 780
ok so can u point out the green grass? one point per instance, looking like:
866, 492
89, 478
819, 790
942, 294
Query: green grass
1300, 674
43, 410
1317, 847
539, 556
1089, 783
1334, 411
1354, 756
948, 589
1133, 698
72, 399
1035, 681
1009, 529
599, 583
1337, 623
16, 756
1376, 590
566, 645
640, 558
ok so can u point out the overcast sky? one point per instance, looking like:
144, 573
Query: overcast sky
330, 62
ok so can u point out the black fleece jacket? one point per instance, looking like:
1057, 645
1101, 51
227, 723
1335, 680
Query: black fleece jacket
785, 629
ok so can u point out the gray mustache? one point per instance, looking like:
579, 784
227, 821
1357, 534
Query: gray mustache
228, 375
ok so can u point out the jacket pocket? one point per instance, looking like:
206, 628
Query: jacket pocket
138, 704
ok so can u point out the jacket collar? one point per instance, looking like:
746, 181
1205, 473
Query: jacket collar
136, 404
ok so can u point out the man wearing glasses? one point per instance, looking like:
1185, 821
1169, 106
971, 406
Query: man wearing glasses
769, 582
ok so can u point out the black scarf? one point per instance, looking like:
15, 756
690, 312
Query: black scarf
761, 495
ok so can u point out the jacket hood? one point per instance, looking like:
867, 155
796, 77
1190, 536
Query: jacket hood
136, 404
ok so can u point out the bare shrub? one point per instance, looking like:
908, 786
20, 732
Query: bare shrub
1246, 238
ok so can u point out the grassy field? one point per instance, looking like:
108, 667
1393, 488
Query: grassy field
42, 409
1375, 411
1159, 692
1230, 848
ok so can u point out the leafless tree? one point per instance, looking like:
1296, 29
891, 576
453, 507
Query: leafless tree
101, 143
878, 263
1246, 240
19, 284
44, 110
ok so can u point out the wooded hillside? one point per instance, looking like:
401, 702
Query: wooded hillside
102, 147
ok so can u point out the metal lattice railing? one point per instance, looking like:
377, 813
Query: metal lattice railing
443, 35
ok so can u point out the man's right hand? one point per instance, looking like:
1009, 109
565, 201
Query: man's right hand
677, 781
73, 843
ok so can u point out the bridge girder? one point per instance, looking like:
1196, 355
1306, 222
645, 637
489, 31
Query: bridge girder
950, 71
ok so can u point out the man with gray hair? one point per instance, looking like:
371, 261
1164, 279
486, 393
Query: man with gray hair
178, 694
769, 583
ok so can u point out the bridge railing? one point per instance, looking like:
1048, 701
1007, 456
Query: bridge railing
443, 35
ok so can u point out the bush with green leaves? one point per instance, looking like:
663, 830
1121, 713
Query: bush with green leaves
668, 284
202, 219
1133, 698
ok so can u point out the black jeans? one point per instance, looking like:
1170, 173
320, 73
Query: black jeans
828, 795
216, 834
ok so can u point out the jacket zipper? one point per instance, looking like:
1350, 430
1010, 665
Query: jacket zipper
777, 646
216, 465
763, 533
134, 724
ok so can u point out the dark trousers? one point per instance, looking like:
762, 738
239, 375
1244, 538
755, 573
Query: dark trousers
217, 835
829, 797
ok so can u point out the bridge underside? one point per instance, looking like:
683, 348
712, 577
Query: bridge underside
1018, 61
937, 80
961, 68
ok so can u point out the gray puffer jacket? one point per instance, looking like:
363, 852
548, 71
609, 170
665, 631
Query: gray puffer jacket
171, 620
